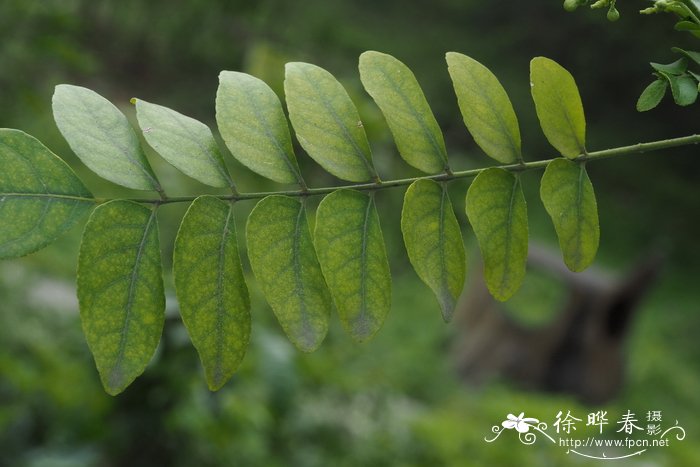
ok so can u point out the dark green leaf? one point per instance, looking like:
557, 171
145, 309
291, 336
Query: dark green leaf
211, 288
498, 214
568, 197
101, 136
352, 254
676, 68
434, 241
40, 196
284, 261
692, 55
486, 108
684, 89
327, 123
120, 289
396, 91
652, 95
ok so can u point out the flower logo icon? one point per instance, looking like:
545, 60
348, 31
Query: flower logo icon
521, 424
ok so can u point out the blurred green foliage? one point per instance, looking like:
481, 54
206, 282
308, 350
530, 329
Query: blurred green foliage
396, 399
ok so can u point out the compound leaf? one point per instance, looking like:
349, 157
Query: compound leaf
101, 136
498, 214
211, 288
40, 196
353, 259
284, 261
184, 142
327, 123
558, 105
568, 197
434, 241
396, 91
486, 108
120, 290
252, 123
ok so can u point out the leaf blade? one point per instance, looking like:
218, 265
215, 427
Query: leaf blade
486, 108
396, 91
498, 214
284, 261
351, 251
434, 241
652, 95
211, 288
40, 196
120, 290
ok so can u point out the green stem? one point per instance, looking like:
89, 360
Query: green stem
639, 148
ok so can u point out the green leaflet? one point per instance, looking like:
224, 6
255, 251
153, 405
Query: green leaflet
652, 95
211, 288
434, 241
351, 251
567, 194
40, 196
254, 128
101, 136
498, 214
327, 123
284, 261
120, 290
184, 142
486, 108
394, 88
558, 106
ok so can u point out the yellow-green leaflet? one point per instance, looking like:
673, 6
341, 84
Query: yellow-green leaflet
352, 254
101, 136
284, 261
568, 197
40, 196
396, 91
120, 290
211, 288
327, 123
498, 214
558, 105
434, 241
184, 142
254, 128
486, 108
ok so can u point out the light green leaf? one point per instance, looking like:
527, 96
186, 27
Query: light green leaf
40, 196
327, 123
498, 214
434, 241
486, 108
691, 54
120, 290
284, 261
396, 91
567, 194
652, 95
101, 136
184, 142
676, 68
684, 89
352, 254
558, 106
211, 288
254, 128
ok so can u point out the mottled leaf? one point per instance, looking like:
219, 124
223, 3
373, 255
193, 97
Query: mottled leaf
184, 142
254, 128
652, 95
498, 214
120, 290
567, 194
434, 241
284, 261
486, 108
558, 106
327, 123
396, 91
211, 288
101, 136
40, 196
352, 254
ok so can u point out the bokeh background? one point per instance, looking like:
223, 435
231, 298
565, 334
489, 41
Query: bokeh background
396, 400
